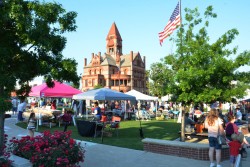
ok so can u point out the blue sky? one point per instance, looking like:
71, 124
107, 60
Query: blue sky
140, 21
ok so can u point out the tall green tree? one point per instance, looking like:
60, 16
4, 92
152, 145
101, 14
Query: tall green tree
204, 71
161, 79
31, 45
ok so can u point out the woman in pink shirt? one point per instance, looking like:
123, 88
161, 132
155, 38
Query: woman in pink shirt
232, 128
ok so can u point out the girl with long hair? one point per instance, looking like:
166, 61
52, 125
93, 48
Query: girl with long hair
31, 124
214, 125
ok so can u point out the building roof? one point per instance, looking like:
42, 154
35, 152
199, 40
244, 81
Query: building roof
108, 60
125, 59
114, 32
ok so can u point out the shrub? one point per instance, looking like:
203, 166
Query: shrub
48, 149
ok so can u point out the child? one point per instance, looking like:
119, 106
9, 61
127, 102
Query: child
234, 147
67, 118
31, 124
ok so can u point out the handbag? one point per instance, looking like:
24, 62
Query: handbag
221, 138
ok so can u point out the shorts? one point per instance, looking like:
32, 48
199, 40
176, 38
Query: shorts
14, 109
31, 128
213, 142
232, 159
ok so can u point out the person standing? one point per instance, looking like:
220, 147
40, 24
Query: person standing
234, 147
238, 114
21, 108
232, 128
31, 124
42, 102
97, 112
214, 125
112, 106
53, 104
67, 118
14, 105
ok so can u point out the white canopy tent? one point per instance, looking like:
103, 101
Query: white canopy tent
141, 96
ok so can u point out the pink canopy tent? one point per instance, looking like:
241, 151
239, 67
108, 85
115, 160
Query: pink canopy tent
59, 90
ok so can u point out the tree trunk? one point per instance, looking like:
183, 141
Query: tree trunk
182, 125
2, 115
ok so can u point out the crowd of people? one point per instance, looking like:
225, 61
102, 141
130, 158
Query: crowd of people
229, 124
226, 125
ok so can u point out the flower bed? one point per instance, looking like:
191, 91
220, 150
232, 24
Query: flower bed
4, 158
48, 149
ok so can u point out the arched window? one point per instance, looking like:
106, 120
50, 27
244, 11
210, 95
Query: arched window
125, 72
89, 72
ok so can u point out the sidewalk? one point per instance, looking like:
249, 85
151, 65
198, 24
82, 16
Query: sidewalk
100, 155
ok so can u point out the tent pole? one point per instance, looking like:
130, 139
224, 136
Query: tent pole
86, 111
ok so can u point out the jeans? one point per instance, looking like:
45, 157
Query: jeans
20, 116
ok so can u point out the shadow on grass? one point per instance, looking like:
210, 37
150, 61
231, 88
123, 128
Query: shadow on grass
128, 133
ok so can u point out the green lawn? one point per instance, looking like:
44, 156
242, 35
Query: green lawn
128, 133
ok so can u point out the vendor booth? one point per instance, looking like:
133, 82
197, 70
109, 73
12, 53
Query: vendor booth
85, 128
142, 112
59, 90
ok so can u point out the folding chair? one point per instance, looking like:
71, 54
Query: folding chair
100, 125
115, 123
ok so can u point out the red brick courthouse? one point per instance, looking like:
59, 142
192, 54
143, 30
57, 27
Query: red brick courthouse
113, 69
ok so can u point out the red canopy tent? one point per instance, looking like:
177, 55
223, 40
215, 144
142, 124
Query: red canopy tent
59, 90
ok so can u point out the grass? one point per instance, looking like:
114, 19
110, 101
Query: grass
128, 133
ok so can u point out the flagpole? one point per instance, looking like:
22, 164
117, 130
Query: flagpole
181, 108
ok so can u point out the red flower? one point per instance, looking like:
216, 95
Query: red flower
49, 149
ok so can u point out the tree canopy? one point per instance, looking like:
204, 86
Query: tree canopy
201, 70
31, 45
32, 42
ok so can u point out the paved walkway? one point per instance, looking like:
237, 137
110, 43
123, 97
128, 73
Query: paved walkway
100, 155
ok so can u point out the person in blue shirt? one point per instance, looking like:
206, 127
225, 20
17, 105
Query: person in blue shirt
97, 112
238, 114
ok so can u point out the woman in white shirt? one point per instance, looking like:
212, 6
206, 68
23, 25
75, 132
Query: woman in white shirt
214, 125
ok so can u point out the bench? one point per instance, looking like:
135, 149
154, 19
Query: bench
202, 135
194, 134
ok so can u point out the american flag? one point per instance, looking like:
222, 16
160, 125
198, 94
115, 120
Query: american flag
173, 23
